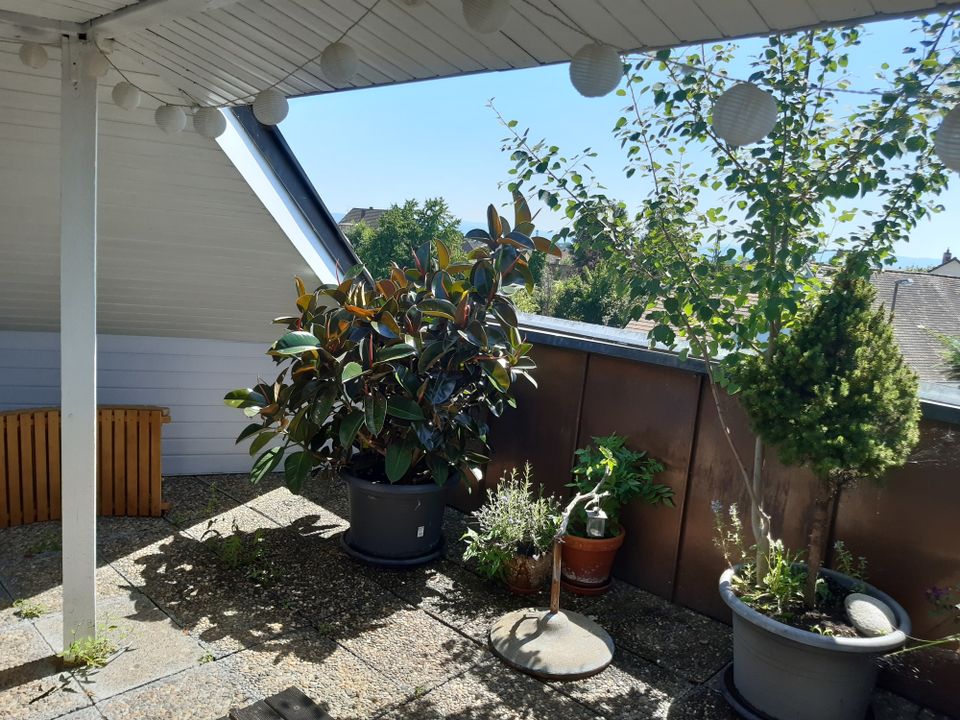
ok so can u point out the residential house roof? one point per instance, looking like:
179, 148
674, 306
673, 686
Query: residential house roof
368, 216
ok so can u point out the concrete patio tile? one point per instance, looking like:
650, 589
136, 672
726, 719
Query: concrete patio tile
413, 649
32, 682
491, 691
338, 681
155, 646
37, 579
458, 597
298, 512
120, 537
225, 607
194, 501
667, 635
23, 541
630, 689
90, 713
206, 692
238, 485
703, 702
454, 526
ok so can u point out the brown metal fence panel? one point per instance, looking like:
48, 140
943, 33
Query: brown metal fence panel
129, 463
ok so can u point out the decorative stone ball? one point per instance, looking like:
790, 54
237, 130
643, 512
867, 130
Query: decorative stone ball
126, 96
33, 55
95, 64
339, 63
596, 70
209, 122
486, 16
170, 118
871, 617
744, 114
946, 143
270, 107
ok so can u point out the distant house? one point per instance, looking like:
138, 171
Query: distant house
950, 266
928, 305
368, 216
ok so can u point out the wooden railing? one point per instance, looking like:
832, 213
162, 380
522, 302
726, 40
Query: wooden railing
128, 463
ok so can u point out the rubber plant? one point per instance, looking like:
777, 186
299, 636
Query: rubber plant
397, 379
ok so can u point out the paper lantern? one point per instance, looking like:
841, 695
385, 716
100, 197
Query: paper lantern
744, 114
270, 107
486, 16
126, 96
95, 64
946, 143
209, 122
339, 63
33, 55
596, 70
170, 118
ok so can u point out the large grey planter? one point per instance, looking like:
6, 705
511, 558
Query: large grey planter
394, 525
791, 674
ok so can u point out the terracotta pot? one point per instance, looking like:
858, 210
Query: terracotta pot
526, 575
587, 563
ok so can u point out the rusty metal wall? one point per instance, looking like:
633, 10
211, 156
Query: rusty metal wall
908, 529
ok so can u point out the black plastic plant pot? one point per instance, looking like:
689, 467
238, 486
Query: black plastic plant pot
394, 525
784, 673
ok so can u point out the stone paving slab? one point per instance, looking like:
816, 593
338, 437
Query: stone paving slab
201, 693
341, 683
154, 646
490, 691
33, 684
629, 689
409, 647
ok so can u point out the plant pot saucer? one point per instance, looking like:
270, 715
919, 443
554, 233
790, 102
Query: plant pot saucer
585, 590
387, 561
741, 707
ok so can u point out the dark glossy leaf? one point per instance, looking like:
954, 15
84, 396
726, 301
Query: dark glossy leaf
505, 312
296, 469
430, 355
394, 352
266, 463
493, 222
398, 461
475, 334
295, 343
349, 425
251, 429
322, 405
245, 398
404, 408
374, 412
443, 254
497, 375
440, 390
437, 308
261, 440
350, 371
439, 468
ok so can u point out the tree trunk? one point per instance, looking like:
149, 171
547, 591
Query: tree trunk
817, 547
758, 521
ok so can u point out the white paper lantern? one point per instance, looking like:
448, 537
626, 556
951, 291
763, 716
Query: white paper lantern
33, 55
209, 122
744, 114
270, 107
339, 63
486, 16
126, 96
946, 142
95, 64
170, 118
596, 70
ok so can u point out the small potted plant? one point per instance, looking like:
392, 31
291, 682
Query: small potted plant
514, 533
590, 545
834, 395
389, 386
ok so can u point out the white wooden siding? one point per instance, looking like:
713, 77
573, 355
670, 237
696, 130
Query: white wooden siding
190, 376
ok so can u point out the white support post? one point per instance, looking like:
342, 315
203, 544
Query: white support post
78, 341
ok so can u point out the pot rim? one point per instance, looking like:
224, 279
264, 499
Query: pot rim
615, 540
388, 488
878, 645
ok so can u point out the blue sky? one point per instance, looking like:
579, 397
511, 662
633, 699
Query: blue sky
381, 146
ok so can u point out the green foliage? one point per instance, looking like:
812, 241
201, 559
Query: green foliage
404, 228
631, 476
404, 373
28, 609
514, 520
845, 562
93, 652
779, 592
951, 355
48, 542
835, 394
594, 295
